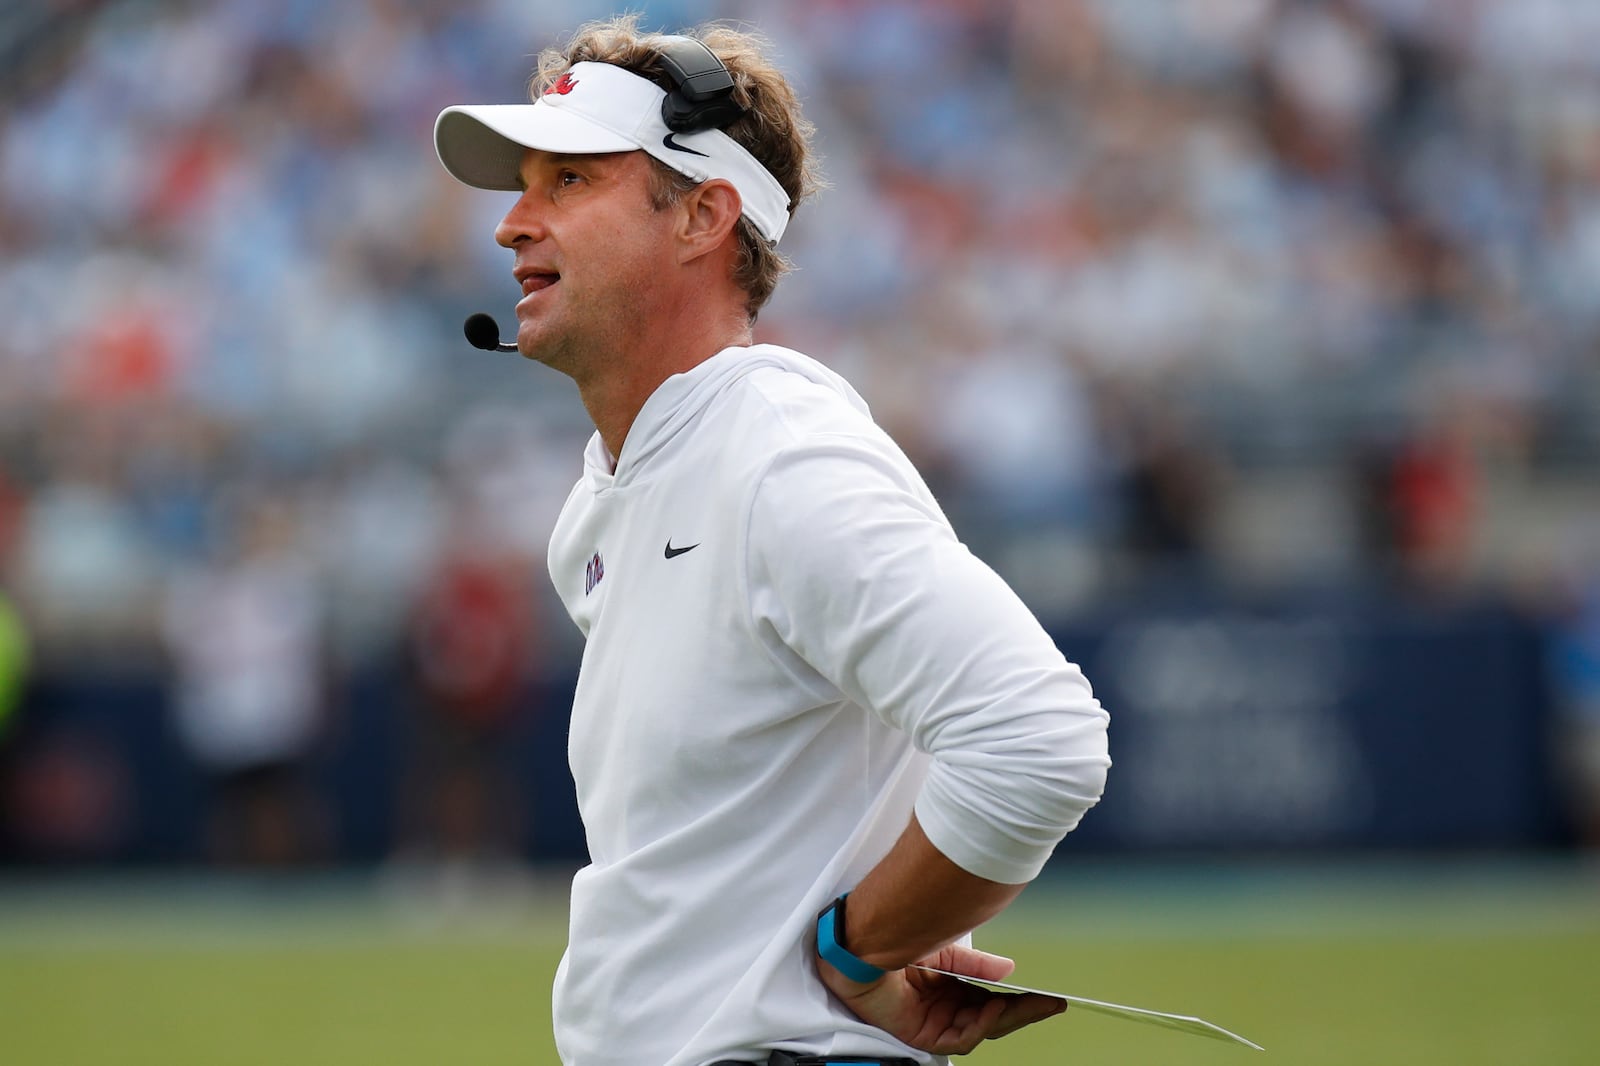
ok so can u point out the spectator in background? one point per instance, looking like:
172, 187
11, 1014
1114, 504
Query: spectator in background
471, 650
1169, 485
14, 661
15, 650
1575, 672
1420, 499
245, 641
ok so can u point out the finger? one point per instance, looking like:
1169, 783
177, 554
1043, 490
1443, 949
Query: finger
970, 1027
954, 1006
1025, 1010
973, 963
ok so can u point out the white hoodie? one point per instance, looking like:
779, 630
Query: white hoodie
787, 650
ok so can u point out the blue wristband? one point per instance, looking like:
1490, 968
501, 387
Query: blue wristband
835, 954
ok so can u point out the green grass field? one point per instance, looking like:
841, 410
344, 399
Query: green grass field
1465, 964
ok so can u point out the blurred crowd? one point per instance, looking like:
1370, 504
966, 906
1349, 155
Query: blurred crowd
1151, 289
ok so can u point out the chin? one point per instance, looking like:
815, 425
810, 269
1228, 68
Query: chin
553, 352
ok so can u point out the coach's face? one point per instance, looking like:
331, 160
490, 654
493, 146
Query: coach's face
592, 257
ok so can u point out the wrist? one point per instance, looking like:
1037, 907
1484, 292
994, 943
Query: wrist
832, 946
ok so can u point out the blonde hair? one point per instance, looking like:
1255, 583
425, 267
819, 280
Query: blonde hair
771, 128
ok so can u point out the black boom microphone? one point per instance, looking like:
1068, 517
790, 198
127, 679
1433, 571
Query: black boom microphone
484, 332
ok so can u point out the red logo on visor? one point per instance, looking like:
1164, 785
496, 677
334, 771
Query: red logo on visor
563, 85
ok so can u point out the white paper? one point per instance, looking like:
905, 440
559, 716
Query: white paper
1180, 1022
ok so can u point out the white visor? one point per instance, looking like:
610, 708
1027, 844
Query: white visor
592, 109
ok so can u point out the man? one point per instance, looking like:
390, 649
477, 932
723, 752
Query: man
798, 685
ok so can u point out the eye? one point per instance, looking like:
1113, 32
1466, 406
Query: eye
568, 177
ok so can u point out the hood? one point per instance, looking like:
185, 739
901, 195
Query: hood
679, 398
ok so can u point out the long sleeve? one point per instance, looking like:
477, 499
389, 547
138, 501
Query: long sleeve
854, 568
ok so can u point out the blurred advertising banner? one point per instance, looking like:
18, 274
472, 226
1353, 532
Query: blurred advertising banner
1367, 726
1386, 729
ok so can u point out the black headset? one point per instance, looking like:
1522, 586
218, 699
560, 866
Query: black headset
701, 97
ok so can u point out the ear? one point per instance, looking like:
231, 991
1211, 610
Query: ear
710, 212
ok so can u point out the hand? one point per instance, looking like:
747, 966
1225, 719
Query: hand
932, 1012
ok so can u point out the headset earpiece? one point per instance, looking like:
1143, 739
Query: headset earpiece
701, 97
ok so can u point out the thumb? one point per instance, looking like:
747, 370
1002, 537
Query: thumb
972, 963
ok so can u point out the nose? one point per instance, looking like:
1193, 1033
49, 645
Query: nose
522, 223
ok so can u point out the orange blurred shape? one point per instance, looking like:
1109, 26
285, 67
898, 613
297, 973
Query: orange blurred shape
128, 356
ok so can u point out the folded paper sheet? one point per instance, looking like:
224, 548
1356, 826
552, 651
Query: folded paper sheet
1182, 1023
